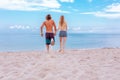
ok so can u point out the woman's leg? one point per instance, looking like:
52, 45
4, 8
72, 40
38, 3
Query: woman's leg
64, 42
60, 38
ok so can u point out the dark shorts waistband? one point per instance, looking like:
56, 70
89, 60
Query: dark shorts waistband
49, 35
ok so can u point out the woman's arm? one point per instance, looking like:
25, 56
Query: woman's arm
66, 27
58, 27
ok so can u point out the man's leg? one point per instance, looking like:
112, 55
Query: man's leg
47, 46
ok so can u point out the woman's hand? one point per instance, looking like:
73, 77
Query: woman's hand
55, 34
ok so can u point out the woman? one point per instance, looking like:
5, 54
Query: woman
63, 33
50, 33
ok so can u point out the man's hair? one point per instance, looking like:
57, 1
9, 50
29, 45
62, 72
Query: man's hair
48, 17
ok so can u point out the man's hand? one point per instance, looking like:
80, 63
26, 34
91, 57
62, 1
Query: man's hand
41, 34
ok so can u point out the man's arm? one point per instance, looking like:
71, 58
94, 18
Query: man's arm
41, 29
54, 27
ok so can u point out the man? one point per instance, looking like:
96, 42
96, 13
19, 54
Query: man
49, 24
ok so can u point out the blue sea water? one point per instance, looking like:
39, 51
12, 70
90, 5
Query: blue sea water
29, 42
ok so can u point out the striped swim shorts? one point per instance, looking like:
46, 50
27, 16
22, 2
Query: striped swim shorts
48, 37
63, 34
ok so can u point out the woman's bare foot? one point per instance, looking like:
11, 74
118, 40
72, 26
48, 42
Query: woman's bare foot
60, 50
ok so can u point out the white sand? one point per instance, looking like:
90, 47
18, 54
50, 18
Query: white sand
93, 64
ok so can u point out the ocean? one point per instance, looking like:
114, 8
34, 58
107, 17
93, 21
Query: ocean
30, 42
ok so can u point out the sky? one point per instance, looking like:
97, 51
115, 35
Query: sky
82, 16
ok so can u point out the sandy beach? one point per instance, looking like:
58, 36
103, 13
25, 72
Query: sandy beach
83, 64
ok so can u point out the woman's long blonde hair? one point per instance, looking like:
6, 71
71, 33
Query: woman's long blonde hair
61, 22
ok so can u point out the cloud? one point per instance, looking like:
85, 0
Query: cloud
60, 11
34, 5
90, 0
28, 5
104, 14
113, 8
73, 9
67, 1
19, 27
75, 29
111, 11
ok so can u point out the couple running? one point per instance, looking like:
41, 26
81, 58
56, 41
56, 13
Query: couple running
51, 30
